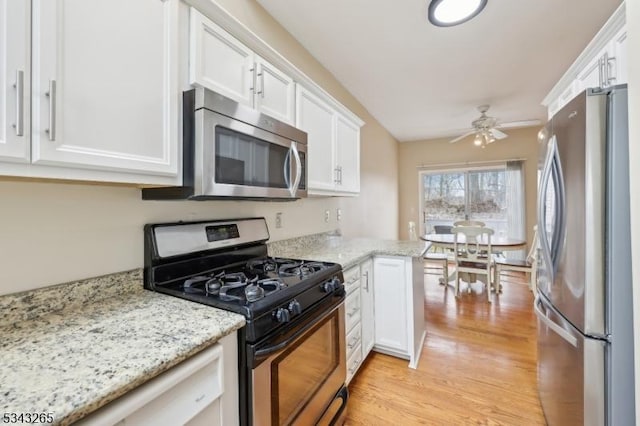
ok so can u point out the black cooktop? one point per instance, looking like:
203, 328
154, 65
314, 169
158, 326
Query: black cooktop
225, 264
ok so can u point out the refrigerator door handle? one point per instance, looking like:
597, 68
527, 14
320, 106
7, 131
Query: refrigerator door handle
542, 192
552, 325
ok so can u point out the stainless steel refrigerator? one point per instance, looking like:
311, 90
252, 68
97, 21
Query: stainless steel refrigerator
583, 302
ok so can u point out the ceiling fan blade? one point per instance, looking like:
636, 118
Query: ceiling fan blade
498, 134
516, 124
459, 138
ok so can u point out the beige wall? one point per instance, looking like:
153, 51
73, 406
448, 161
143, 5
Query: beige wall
52, 233
521, 144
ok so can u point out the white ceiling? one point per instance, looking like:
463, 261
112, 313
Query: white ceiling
420, 81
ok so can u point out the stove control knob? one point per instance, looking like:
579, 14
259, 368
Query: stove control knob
295, 308
329, 286
282, 315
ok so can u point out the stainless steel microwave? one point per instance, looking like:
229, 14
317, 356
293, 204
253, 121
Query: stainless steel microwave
233, 151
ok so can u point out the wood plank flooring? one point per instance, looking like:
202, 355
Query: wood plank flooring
478, 365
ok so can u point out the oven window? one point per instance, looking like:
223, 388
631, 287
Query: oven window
299, 372
244, 160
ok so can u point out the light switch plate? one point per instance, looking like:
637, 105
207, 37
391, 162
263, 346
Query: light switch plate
279, 220
327, 215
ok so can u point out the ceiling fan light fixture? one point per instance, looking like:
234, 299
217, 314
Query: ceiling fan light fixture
478, 140
447, 13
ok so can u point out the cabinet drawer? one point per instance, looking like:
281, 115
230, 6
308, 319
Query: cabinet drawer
352, 309
353, 362
354, 339
351, 279
175, 397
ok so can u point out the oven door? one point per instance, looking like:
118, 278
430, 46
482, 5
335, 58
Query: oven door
297, 376
240, 160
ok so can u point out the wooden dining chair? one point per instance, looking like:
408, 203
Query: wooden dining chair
527, 266
469, 223
473, 257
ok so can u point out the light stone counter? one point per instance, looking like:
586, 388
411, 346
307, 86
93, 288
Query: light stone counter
99, 339
347, 252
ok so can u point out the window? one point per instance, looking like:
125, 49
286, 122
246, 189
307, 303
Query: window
471, 194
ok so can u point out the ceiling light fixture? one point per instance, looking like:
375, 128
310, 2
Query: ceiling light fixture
447, 13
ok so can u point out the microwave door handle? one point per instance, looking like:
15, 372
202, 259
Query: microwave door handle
287, 170
296, 182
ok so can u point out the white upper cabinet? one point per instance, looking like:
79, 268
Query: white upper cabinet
105, 92
220, 62
620, 57
316, 117
348, 154
333, 146
15, 20
87, 94
275, 92
602, 64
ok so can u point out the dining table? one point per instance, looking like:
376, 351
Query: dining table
498, 244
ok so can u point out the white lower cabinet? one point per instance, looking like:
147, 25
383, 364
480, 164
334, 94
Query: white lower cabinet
359, 323
202, 390
353, 326
399, 307
368, 313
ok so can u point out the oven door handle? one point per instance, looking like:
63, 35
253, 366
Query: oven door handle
262, 354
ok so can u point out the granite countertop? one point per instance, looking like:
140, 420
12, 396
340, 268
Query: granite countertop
345, 251
101, 341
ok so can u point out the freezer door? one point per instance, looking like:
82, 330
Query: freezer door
571, 371
571, 214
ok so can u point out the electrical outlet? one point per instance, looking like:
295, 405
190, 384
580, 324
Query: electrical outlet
327, 215
279, 220
338, 214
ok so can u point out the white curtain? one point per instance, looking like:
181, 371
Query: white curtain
516, 206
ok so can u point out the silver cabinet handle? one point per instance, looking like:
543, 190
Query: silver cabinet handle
608, 71
366, 281
19, 85
601, 76
356, 363
339, 169
335, 180
353, 342
51, 94
261, 91
252, 70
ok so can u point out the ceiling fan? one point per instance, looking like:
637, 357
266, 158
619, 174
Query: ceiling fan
486, 128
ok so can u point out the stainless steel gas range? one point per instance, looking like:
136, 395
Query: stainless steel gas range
291, 365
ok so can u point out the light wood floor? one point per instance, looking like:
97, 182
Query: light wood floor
478, 366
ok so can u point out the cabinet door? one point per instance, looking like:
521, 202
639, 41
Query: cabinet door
367, 315
618, 64
347, 155
218, 61
316, 118
15, 21
390, 301
275, 92
105, 94
591, 75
